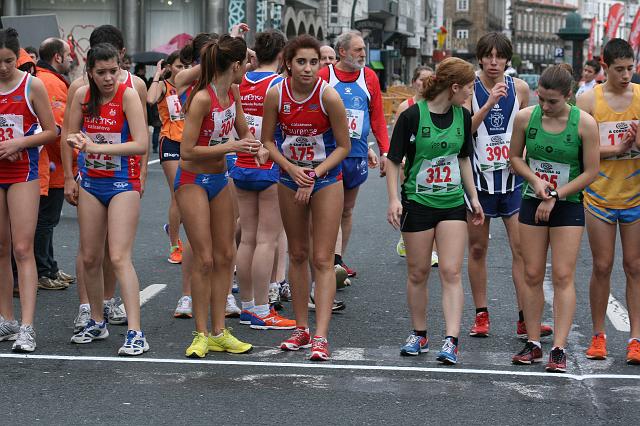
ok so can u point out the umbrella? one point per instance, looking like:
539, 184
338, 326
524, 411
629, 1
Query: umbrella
148, 58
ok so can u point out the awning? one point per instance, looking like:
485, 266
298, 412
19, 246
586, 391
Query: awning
377, 65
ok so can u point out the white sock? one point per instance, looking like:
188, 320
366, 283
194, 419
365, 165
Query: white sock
274, 285
632, 339
246, 306
261, 310
85, 306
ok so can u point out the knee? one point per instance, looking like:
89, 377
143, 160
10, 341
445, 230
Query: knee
562, 278
321, 262
119, 260
449, 275
91, 261
417, 275
202, 264
631, 268
602, 269
223, 256
299, 255
533, 276
347, 212
477, 251
23, 251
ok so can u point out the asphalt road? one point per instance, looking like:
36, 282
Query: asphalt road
366, 382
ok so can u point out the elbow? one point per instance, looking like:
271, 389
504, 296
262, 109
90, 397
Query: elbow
187, 154
51, 136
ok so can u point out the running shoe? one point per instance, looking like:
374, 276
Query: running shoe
400, 248
26, 340
231, 310
319, 349
557, 361
245, 317
598, 348
300, 338
274, 297
529, 354
415, 345
175, 254
521, 330
350, 272
184, 308
82, 319
347, 282
8, 329
481, 325
92, 331
113, 312
227, 343
134, 344
199, 347
273, 321
449, 352
47, 283
234, 286
64, 277
434, 259
338, 305
341, 276
285, 291
633, 352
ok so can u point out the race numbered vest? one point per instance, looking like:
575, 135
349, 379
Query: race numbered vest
554, 157
491, 145
253, 91
356, 98
433, 178
618, 183
307, 139
110, 126
17, 119
217, 126
171, 114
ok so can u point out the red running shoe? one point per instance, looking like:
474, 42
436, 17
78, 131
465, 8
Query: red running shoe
633, 352
319, 349
299, 339
481, 326
557, 361
598, 348
350, 272
521, 330
529, 354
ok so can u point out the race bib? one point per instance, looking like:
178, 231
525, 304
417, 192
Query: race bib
255, 125
175, 108
11, 127
555, 173
355, 119
103, 161
612, 133
304, 151
223, 122
493, 152
441, 174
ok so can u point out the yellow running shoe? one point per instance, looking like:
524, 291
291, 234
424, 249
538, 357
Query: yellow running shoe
198, 348
227, 343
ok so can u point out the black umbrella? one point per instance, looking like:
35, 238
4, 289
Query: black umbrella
148, 58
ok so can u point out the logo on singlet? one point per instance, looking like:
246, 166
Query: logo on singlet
357, 102
286, 108
112, 112
120, 185
549, 149
426, 132
546, 167
532, 133
496, 119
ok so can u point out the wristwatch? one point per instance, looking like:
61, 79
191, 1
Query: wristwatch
554, 194
311, 174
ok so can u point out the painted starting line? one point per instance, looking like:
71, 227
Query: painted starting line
352, 367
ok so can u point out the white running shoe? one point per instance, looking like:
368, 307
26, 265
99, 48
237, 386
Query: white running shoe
113, 313
231, 310
134, 344
26, 340
184, 308
8, 329
82, 319
434, 259
92, 331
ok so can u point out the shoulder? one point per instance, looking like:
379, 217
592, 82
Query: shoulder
520, 84
586, 99
81, 92
235, 91
411, 112
329, 94
525, 113
130, 94
465, 112
138, 84
36, 83
371, 77
586, 119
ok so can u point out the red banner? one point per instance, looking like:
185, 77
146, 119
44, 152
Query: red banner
591, 39
616, 13
634, 35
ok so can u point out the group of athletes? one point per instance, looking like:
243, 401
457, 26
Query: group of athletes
264, 150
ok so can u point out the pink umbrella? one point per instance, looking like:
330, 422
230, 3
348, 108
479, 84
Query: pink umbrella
176, 43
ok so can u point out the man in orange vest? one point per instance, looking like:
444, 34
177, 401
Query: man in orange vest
55, 61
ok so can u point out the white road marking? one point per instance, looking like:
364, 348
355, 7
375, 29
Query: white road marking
325, 366
148, 293
618, 315
156, 161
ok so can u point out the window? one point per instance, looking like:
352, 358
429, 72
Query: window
334, 6
334, 12
462, 34
462, 5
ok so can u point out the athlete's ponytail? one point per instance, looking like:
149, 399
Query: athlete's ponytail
558, 77
99, 52
190, 54
449, 72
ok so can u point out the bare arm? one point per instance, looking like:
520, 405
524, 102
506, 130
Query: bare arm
498, 92
186, 77
157, 87
522, 90
338, 118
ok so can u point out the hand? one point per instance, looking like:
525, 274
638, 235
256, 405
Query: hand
9, 148
300, 176
628, 139
383, 165
477, 214
541, 188
250, 146
372, 159
143, 182
394, 213
16, 156
303, 195
262, 156
238, 30
498, 92
71, 191
544, 210
81, 142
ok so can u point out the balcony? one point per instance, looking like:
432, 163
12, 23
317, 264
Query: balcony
383, 9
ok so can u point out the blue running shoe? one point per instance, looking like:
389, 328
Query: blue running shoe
449, 353
415, 345
245, 317
92, 331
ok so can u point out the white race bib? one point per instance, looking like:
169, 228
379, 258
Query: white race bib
612, 133
493, 151
255, 125
355, 119
11, 127
223, 122
555, 173
305, 151
175, 108
441, 174
103, 161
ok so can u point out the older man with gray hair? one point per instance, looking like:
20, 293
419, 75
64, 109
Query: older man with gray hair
359, 89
